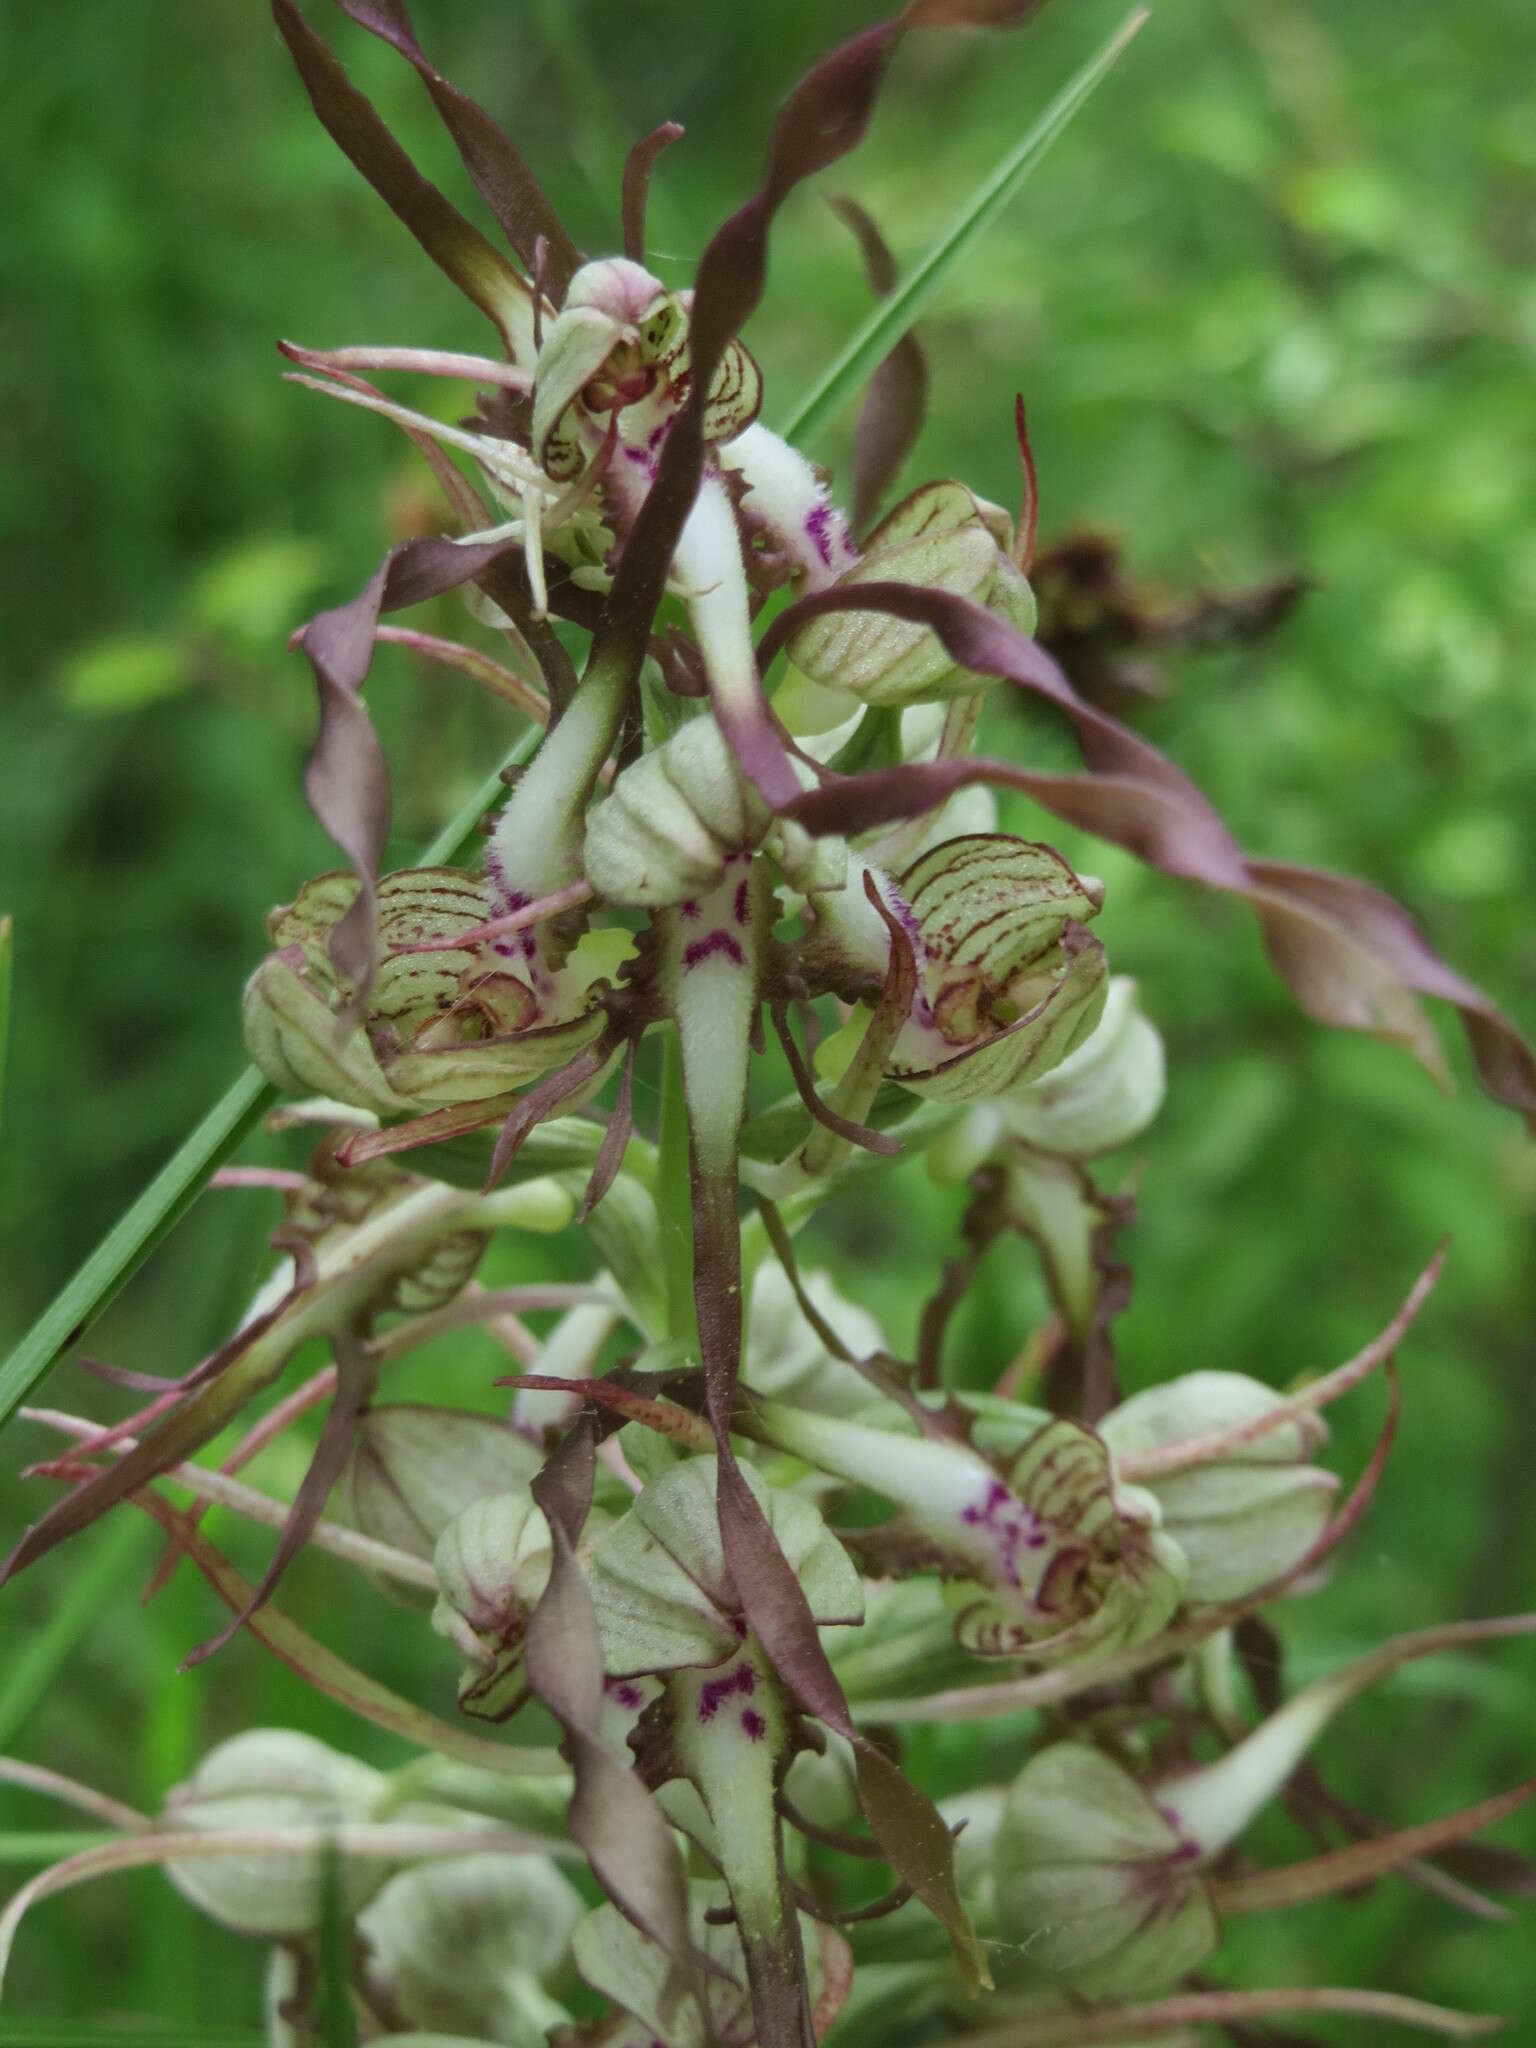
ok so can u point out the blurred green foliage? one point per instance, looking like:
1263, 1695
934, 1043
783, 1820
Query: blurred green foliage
1272, 302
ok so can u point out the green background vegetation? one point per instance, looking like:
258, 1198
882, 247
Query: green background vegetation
1272, 303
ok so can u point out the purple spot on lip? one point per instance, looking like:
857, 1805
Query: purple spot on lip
717, 942
626, 1695
753, 1724
739, 905
714, 1692
817, 532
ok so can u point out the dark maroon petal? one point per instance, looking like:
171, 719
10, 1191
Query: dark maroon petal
354, 1383
610, 1154
1386, 931
501, 177
185, 1430
612, 1816
891, 416
805, 1088
346, 778
1027, 526
481, 272
543, 1099
1351, 956
904, 1821
1496, 1868
1136, 796
823, 118
637, 184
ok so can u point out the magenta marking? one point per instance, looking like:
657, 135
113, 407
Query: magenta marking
717, 942
739, 902
753, 1725
714, 1692
818, 532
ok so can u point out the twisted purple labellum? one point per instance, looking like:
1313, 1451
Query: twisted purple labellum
1352, 957
500, 175
346, 778
355, 1375
637, 184
612, 1816
896, 397
824, 117
459, 250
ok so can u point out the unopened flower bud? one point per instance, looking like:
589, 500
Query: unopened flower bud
675, 817
492, 1563
463, 1946
659, 1583
785, 1358
1096, 1880
1103, 1094
274, 1778
414, 1468
1246, 1517
940, 538
1105, 1879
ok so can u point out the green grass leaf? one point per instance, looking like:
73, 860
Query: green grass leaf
179, 1182
869, 345
131, 2033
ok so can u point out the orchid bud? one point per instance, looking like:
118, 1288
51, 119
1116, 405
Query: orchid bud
1106, 1881
274, 1778
492, 1564
1247, 1517
463, 1946
786, 1359
940, 538
659, 1583
1096, 1879
413, 1469
675, 817
1103, 1094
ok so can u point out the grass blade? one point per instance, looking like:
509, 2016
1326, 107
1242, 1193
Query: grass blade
179, 1182
131, 2034
869, 344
